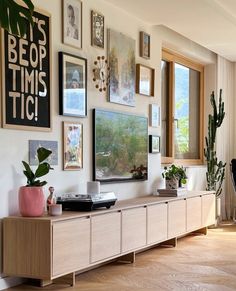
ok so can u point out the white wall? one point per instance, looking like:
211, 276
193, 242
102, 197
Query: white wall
14, 143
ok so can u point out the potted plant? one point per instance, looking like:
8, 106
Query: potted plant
31, 196
174, 176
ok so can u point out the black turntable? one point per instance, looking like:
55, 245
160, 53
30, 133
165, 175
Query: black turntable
86, 202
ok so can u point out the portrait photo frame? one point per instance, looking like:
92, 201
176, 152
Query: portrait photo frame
72, 85
155, 118
97, 29
154, 144
72, 146
144, 43
145, 80
72, 23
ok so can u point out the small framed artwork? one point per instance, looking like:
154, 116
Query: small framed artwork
48, 144
97, 29
73, 146
72, 22
72, 85
145, 80
154, 144
144, 45
154, 115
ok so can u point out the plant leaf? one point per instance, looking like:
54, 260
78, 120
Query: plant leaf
30, 175
42, 170
43, 154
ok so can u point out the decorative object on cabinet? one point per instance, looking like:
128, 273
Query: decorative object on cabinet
154, 144
72, 23
31, 197
145, 80
19, 17
120, 145
48, 144
121, 56
144, 43
174, 176
154, 115
101, 73
97, 29
215, 174
27, 75
73, 145
72, 85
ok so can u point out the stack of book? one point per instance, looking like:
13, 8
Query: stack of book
172, 192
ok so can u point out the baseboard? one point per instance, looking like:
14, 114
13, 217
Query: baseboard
8, 282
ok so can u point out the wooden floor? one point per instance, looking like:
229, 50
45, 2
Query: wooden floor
197, 263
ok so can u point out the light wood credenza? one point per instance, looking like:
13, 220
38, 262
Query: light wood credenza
54, 248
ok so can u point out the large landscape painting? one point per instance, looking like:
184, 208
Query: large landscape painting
120, 146
121, 55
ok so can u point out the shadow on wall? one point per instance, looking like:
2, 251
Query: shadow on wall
196, 178
13, 194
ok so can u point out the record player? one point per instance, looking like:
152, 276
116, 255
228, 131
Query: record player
86, 202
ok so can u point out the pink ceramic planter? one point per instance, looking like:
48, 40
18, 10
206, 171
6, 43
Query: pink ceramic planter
31, 201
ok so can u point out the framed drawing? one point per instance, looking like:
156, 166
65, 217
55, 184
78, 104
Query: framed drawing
73, 146
26, 88
48, 144
145, 80
144, 45
72, 22
72, 85
97, 29
154, 144
121, 57
154, 115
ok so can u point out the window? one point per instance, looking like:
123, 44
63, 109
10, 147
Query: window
181, 109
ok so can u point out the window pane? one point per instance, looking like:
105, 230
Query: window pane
165, 67
186, 113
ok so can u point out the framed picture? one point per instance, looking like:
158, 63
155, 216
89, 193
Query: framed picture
144, 45
121, 57
72, 85
145, 80
73, 146
26, 76
154, 144
154, 115
48, 144
97, 29
72, 22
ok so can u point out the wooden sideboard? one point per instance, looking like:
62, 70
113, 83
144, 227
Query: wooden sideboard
55, 247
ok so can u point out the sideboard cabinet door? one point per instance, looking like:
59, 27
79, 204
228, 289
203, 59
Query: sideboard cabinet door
194, 213
208, 209
176, 218
71, 245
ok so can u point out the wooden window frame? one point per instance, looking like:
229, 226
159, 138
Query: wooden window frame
172, 58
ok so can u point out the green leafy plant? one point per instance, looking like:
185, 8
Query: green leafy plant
42, 169
215, 169
175, 172
14, 17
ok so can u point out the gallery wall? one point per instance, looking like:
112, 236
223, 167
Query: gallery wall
14, 144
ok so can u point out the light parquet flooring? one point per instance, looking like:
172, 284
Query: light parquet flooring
197, 263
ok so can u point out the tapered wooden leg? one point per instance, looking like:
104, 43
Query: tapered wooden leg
44, 283
67, 279
171, 242
201, 230
129, 258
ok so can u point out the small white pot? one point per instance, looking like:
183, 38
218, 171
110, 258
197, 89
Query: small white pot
172, 184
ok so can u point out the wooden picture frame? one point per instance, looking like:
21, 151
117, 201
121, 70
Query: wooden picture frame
73, 146
97, 29
72, 85
154, 144
144, 43
155, 115
26, 81
72, 23
145, 80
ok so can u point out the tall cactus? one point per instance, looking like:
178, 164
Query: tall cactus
215, 170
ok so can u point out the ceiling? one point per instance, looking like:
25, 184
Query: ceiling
210, 23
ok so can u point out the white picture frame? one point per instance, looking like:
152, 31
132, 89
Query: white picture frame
155, 118
72, 23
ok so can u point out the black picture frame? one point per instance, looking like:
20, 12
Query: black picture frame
72, 85
131, 143
154, 144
